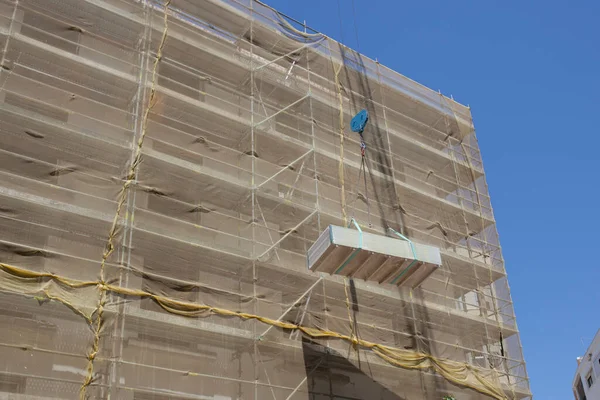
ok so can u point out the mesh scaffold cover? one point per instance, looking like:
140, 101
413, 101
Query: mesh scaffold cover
164, 168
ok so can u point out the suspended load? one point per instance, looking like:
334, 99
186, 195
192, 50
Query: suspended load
371, 257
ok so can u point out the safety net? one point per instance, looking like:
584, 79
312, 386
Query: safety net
165, 167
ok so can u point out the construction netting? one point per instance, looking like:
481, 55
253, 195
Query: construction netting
164, 168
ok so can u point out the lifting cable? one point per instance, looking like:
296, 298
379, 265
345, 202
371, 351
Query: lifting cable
362, 171
358, 124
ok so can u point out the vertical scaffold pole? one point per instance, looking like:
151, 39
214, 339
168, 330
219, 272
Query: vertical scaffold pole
253, 194
312, 133
5, 69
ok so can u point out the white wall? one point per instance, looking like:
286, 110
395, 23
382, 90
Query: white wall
590, 365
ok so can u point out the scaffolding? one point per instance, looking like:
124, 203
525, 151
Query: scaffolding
165, 165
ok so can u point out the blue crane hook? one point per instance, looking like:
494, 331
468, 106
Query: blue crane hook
359, 121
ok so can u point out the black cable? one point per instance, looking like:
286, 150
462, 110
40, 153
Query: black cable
340, 18
355, 26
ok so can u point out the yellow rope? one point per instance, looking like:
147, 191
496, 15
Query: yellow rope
454, 371
352, 333
120, 202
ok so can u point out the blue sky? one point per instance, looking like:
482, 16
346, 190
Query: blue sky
530, 71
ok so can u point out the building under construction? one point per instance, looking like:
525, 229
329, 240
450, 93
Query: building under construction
166, 168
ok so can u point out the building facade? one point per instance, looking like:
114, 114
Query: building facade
585, 383
165, 166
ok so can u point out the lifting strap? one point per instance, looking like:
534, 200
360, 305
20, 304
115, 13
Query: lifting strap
362, 171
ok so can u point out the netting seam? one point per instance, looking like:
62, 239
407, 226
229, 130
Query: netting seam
102, 284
